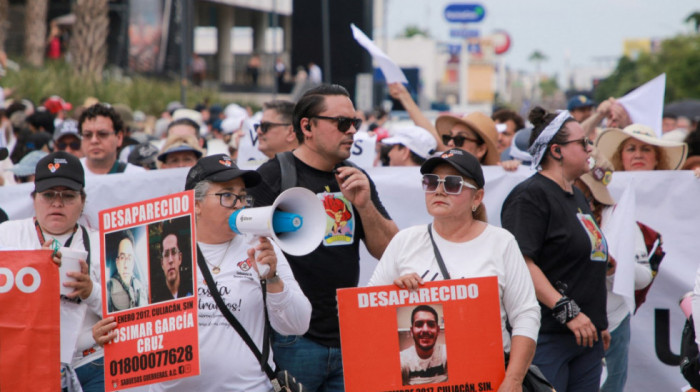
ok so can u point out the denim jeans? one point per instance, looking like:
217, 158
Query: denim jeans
616, 357
92, 375
317, 367
568, 366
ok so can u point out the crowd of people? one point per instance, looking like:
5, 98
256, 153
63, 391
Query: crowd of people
551, 258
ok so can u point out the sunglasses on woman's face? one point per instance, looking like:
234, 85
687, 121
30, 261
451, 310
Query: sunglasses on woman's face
459, 140
452, 184
344, 123
61, 146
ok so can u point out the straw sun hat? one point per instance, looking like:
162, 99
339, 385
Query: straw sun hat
609, 141
479, 123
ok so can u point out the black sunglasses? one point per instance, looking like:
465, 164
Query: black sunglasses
63, 145
459, 140
265, 126
584, 142
344, 123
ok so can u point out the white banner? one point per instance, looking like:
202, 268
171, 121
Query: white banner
666, 201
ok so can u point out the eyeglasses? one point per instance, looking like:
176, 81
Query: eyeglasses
101, 135
228, 199
344, 123
170, 252
452, 184
265, 126
420, 323
67, 197
459, 140
61, 146
584, 142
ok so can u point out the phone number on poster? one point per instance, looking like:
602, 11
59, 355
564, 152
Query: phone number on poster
151, 360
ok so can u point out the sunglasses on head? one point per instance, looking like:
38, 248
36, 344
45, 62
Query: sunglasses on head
344, 123
452, 184
265, 126
459, 140
61, 146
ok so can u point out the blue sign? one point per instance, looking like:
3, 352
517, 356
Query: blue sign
464, 33
464, 13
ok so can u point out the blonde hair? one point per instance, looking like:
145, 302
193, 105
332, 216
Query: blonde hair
661, 157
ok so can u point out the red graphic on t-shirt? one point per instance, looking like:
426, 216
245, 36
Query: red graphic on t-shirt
338, 211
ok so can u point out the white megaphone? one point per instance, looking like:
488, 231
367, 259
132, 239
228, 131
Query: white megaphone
296, 222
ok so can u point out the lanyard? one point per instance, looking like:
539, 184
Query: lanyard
55, 245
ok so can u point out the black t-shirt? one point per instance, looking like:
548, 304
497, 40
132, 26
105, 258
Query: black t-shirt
336, 262
557, 231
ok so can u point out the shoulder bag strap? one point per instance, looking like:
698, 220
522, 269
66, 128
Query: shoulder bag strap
234, 322
441, 263
288, 170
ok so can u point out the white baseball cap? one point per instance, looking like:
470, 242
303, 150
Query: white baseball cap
417, 139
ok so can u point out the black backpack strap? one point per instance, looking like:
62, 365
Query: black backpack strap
86, 245
288, 170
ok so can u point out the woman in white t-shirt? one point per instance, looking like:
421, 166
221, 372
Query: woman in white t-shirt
459, 228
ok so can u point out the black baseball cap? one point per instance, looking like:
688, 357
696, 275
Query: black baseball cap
466, 164
59, 169
219, 168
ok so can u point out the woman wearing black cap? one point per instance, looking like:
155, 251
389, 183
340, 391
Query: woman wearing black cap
565, 252
453, 183
59, 198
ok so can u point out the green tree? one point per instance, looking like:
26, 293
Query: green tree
678, 57
413, 30
695, 18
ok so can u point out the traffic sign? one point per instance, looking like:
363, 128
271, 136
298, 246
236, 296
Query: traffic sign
464, 33
464, 13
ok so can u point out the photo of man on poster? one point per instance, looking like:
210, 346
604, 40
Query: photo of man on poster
425, 361
124, 288
171, 266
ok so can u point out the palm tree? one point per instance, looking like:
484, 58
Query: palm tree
35, 32
695, 18
4, 22
537, 57
88, 46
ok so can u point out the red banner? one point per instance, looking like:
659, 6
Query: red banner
148, 275
30, 337
401, 340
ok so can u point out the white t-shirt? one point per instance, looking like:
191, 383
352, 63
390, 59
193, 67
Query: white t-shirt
226, 362
21, 234
493, 253
129, 168
416, 370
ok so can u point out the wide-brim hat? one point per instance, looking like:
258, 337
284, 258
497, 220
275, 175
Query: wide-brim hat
219, 168
465, 163
478, 122
598, 178
178, 144
609, 141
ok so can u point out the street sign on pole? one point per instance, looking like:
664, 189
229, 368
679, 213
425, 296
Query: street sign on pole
464, 13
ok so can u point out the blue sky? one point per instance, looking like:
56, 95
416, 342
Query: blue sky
587, 30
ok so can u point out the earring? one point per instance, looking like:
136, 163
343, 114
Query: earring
474, 208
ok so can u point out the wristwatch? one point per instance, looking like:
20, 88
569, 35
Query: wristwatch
274, 279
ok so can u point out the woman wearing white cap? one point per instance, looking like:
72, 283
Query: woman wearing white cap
565, 253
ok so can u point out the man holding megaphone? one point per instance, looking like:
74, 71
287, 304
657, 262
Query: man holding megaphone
324, 122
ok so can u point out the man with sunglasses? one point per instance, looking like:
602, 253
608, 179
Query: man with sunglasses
67, 138
275, 131
102, 131
324, 123
58, 201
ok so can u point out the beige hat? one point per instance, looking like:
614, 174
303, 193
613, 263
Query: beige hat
478, 122
609, 141
598, 178
177, 143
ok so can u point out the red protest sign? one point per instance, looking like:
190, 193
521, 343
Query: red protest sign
444, 336
148, 280
29, 322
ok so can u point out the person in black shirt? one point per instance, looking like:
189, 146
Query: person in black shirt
324, 123
565, 251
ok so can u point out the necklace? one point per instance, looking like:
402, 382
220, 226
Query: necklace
216, 268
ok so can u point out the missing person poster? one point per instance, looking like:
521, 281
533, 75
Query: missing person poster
29, 322
148, 274
445, 336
